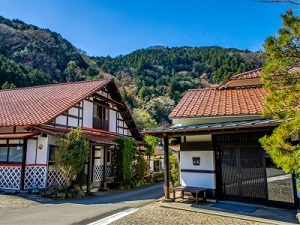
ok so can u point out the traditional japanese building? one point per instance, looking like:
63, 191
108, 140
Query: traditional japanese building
33, 119
219, 131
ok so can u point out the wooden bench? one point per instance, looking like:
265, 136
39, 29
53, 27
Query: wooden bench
193, 190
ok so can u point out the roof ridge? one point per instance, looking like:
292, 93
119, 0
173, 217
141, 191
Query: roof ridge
56, 84
233, 88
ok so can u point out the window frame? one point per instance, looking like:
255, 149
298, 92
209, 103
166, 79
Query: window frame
8, 153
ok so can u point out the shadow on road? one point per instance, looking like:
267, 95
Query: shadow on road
104, 197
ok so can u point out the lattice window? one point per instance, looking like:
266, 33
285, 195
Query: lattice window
35, 176
98, 173
111, 170
55, 176
10, 177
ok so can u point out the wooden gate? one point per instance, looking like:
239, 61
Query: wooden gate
243, 174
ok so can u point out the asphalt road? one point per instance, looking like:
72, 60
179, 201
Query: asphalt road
80, 211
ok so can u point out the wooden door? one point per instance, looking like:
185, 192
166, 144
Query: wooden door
243, 174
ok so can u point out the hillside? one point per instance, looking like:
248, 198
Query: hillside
148, 74
38, 51
151, 80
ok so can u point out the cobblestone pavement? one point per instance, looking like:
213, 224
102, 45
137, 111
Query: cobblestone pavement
154, 214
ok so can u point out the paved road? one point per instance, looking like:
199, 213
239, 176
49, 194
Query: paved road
79, 211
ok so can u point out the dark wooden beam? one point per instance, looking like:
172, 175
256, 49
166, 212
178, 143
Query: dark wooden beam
167, 167
90, 167
23, 170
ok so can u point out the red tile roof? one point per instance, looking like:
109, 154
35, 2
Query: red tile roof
247, 75
98, 136
220, 102
41, 104
250, 78
18, 135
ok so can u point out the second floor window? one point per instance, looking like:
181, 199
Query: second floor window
100, 120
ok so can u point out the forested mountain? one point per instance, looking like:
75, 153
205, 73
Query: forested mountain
30, 55
159, 70
151, 80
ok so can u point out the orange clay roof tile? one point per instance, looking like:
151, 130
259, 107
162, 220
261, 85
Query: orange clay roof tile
41, 104
220, 102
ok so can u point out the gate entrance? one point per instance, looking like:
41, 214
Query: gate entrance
243, 172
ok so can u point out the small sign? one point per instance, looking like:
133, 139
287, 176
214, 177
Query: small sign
196, 161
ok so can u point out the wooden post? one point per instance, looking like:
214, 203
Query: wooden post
23, 170
90, 168
167, 167
105, 166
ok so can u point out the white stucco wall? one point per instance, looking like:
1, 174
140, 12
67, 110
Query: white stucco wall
6, 130
42, 151
216, 119
207, 180
61, 120
87, 114
73, 111
31, 151
207, 160
112, 121
151, 165
73, 122
199, 138
202, 175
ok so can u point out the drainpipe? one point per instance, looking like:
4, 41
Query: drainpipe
167, 167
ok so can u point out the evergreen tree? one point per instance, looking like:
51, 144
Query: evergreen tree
281, 75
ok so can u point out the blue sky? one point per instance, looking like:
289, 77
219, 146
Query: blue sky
115, 27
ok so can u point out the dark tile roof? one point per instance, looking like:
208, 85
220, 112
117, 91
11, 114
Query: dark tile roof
215, 127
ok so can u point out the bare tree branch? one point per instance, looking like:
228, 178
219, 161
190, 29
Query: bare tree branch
279, 1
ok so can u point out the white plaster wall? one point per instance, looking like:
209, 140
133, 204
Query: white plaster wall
15, 141
120, 123
97, 154
73, 122
31, 151
87, 114
207, 160
103, 93
6, 130
199, 138
97, 162
73, 111
129, 133
42, 154
20, 129
207, 180
62, 120
216, 119
151, 165
112, 121
102, 157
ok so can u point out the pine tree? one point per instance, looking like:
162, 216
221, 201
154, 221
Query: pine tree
281, 75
